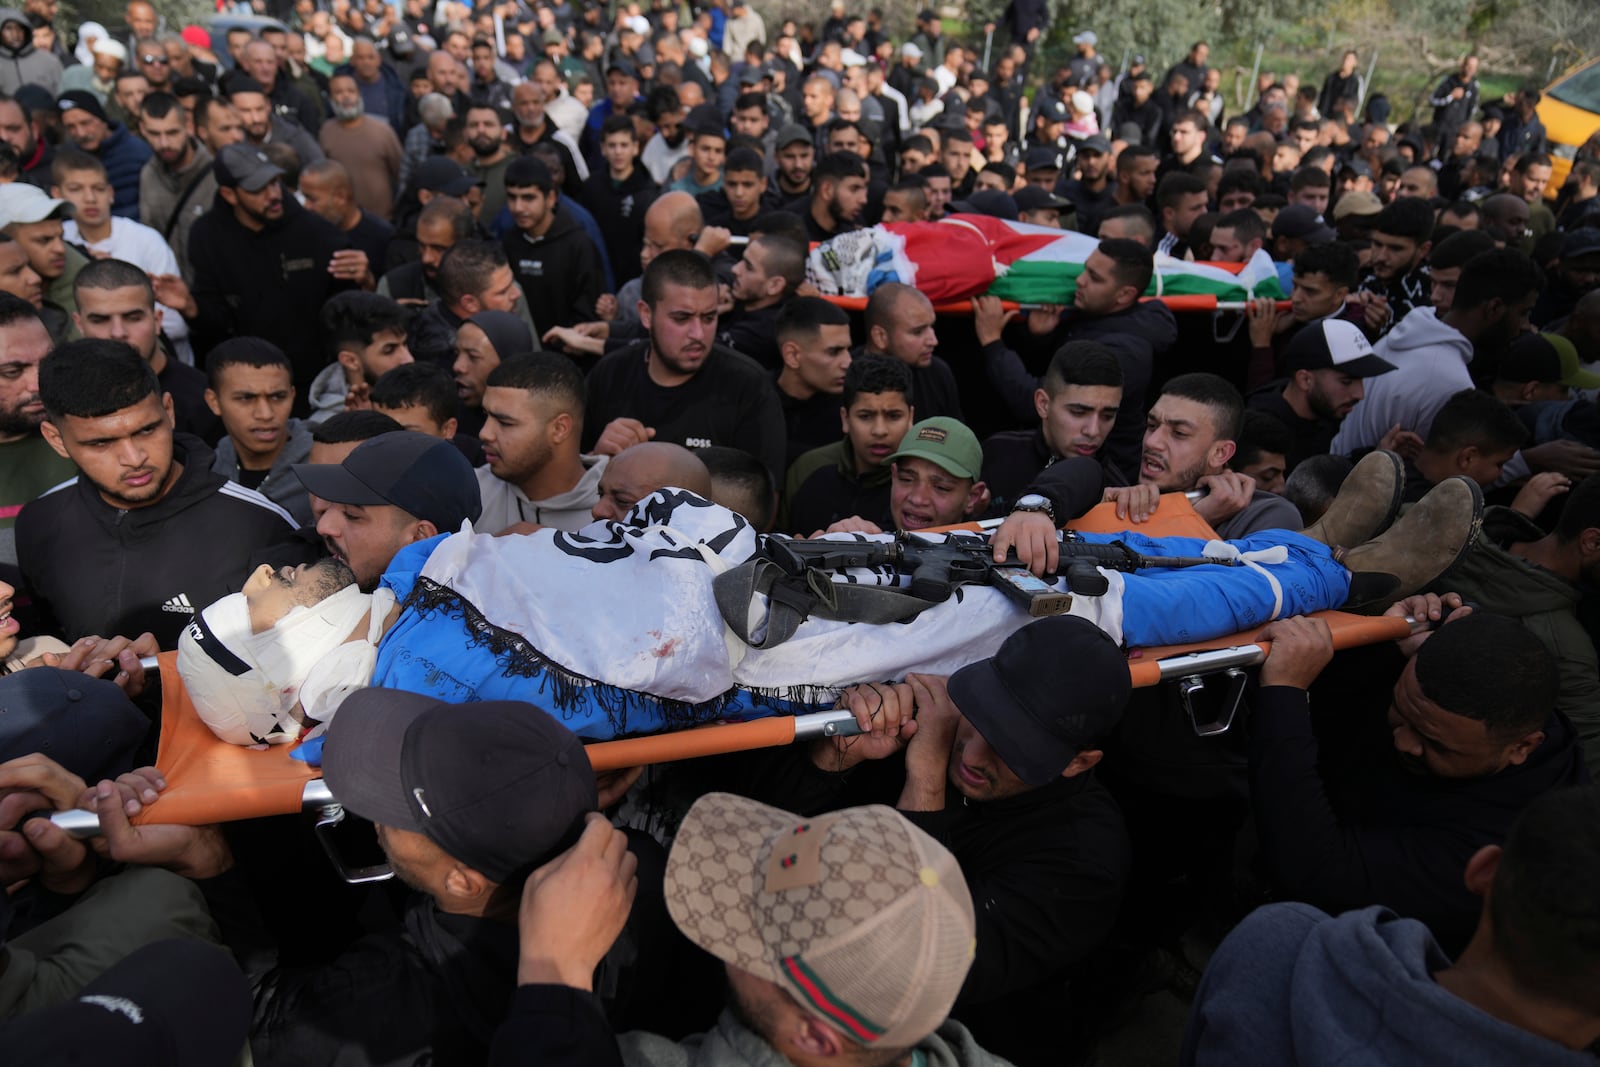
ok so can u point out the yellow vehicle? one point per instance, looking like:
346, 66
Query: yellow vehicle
1570, 111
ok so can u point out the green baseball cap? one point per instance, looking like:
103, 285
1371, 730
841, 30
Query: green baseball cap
945, 442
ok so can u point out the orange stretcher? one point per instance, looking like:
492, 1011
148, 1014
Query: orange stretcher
211, 781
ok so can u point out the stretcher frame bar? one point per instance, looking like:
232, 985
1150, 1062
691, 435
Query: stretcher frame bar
1188, 669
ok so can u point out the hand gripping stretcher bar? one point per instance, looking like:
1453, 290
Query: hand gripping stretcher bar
210, 781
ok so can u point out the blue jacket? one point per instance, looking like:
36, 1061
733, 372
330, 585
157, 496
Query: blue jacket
394, 91
124, 156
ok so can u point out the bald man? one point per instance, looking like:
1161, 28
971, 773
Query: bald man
328, 191
673, 221
636, 472
1505, 218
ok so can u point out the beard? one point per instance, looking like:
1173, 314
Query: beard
483, 147
14, 422
354, 111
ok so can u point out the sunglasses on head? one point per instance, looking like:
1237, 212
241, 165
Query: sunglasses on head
155, 59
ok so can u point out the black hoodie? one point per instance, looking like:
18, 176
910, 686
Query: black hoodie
267, 284
560, 273
97, 569
1344, 825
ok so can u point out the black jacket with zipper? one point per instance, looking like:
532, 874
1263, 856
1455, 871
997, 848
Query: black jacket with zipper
96, 569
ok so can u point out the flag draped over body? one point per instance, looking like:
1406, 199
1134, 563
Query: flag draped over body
964, 256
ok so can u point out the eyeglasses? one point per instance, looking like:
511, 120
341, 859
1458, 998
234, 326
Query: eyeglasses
155, 59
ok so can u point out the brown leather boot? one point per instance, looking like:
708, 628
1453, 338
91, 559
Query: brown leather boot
1430, 538
1366, 504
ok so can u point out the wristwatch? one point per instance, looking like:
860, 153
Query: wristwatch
1035, 502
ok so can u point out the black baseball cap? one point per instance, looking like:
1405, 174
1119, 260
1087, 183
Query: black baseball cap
1095, 143
990, 202
1053, 110
244, 166
85, 724
438, 174
1043, 157
625, 68
172, 1003
1033, 198
82, 100
705, 119
425, 476
499, 785
1334, 344
1054, 687
1302, 221
793, 133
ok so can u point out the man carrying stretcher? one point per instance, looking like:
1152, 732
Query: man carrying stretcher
468, 617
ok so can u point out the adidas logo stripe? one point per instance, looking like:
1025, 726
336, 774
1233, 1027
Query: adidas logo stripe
178, 604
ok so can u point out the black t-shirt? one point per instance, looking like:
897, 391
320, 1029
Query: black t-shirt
372, 236
1307, 437
731, 401
251, 479
811, 423
830, 495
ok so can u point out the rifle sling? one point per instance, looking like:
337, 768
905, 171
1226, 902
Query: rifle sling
791, 600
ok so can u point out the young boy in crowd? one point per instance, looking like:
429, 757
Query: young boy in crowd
366, 336
423, 397
251, 391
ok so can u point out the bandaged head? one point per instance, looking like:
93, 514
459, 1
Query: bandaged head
245, 685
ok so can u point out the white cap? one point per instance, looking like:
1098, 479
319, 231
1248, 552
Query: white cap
639, 24
851, 58
1086, 37
909, 49
1082, 102
23, 203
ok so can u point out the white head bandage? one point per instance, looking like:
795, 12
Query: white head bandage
245, 685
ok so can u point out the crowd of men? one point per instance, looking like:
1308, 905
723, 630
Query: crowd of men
526, 265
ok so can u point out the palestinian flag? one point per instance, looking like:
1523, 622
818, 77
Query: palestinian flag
963, 256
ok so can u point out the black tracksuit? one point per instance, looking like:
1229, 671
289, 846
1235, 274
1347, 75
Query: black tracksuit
96, 569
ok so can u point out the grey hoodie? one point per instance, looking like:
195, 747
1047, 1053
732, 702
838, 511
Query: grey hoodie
506, 505
1430, 362
281, 486
1291, 985
328, 390
26, 65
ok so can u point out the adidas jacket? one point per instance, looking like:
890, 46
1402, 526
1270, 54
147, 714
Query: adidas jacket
95, 569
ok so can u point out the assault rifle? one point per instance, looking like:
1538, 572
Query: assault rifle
936, 564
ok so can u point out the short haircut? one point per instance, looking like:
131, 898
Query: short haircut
452, 210
747, 100
1532, 159
1132, 263
69, 160
1335, 260
92, 378
1259, 433
874, 373
1547, 936
547, 374
741, 483
1313, 484
1581, 510
1137, 215
343, 427
884, 300
803, 317
933, 170
158, 105
113, 274
1240, 181
526, 172
1216, 393
1175, 186
915, 190
1471, 417
786, 258
786, 223
1132, 154
917, 143
619, 124
680, 266
425, 385
355, 319
1458, 248
1245, 223
1082, 363
1503, 274
14, 309
836, 167
1201, 122
1490, 668
1308, 178
1410, 217
744, 161
468, 267
244, 352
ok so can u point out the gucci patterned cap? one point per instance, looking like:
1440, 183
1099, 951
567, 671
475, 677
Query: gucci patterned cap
861, 917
